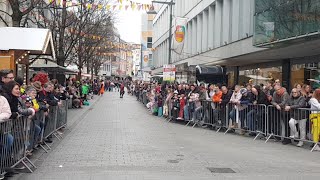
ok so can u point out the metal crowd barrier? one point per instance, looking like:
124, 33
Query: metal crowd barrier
248, 118
62, 115
19, 136
50, 121
56, 119
214, 114
300, 124
283, 125
13, 143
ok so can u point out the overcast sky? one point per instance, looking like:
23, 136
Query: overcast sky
129, 23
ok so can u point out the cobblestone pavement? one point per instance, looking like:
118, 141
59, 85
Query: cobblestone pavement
118, 139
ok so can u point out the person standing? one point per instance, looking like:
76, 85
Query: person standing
6, 75
315, 117
85, 90
279, 100
101, 92
296, 101
122, 90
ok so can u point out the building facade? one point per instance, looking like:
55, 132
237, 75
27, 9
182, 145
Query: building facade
146, 45
252, 39
136, 58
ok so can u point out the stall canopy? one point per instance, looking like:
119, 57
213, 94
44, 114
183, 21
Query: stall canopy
35, 40
52, 69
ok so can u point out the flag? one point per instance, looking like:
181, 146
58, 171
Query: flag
89, 6
179, 34
133, 6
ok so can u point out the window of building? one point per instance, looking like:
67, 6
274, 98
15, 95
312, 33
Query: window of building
300, 73
149, 42
260, 75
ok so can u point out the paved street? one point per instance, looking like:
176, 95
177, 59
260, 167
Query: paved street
118, 139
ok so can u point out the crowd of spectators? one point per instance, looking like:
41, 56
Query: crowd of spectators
33, 101
245, 104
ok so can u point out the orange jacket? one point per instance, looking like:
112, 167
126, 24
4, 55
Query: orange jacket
217, 97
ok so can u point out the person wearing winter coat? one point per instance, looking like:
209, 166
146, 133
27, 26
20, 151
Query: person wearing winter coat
5, 111
314, 103
279, 101
7, 138
85, 90
175, 105
234, 104
189, 106
198, 99
296, 101
11, 91
12, 94
216, 95
256, 115
122, 90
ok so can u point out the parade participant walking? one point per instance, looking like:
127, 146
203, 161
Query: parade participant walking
101, 92
122, 90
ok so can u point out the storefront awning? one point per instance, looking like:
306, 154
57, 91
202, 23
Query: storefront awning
209, 70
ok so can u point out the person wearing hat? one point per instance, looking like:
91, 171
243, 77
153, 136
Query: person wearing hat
37, 86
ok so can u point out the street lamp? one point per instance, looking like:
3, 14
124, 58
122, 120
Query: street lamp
152, 11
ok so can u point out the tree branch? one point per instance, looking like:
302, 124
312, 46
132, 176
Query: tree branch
4, 21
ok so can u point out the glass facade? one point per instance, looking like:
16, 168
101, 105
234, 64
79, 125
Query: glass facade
260, 75
300, 73
285, 19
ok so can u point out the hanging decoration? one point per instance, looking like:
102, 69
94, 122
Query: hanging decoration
118, 6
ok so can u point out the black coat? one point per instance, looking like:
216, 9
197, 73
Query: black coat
262, 98
47, 97
226, 98
17, 106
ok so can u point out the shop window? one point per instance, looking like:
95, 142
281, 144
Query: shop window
260, 76
300, 73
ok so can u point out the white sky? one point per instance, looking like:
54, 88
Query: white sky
129, 23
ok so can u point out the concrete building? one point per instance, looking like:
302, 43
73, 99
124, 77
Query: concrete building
136, 58
106, 69
252, 39
146, 44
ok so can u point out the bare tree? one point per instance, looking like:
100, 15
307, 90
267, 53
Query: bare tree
19, 9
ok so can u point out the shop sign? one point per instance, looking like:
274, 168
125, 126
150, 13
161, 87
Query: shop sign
169, 72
